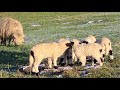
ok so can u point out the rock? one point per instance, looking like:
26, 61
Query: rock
99, 20
59, 76
90, 22
43, 70
65, 68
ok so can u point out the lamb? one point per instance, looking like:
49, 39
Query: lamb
94, 50
89, 39
11, 30
106, 43
52, 51
76, 42
67, 56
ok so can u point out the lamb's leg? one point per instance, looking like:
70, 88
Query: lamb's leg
36, 65
49, 63
83, 60
69, 60
92, 61
55, 63
9, 42
99, 60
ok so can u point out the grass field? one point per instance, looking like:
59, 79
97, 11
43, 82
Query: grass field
50, 26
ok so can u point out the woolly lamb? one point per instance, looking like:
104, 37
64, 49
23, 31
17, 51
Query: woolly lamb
89, 39
52, 51
106, 43
93, 50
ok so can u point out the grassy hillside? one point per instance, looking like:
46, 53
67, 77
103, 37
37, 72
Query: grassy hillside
50, 26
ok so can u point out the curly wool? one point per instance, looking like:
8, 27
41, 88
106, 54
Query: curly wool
11, 29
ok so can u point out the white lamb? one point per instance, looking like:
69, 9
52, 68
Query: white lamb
106, 43
93, 50
51, 51
89, 39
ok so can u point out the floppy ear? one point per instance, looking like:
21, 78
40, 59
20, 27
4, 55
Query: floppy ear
85, 42
80, 43
70, 44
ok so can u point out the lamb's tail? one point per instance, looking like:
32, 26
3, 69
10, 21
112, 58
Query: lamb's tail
31, 58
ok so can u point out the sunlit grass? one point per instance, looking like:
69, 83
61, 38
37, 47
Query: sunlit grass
50, 26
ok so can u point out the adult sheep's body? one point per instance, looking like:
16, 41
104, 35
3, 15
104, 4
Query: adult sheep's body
11, 30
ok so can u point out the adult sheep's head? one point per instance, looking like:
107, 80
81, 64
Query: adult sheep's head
18, 39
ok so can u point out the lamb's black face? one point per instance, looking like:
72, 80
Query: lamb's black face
85, 42
80, 43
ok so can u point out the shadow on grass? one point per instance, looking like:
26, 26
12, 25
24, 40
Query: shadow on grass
13, 60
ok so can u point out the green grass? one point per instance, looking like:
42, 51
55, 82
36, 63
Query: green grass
55, 25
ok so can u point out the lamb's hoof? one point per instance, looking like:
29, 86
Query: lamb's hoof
21, 69
79, 63
63, 64
70, 64
55, 67
33, 73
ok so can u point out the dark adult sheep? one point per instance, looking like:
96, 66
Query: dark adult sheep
11, 30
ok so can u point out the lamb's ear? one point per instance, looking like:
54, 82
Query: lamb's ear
70, 44
80, 43
85, 42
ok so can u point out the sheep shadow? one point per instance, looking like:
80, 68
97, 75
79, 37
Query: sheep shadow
12, 60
